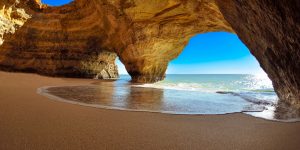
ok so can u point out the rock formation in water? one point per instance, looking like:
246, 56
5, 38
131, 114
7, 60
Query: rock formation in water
83, 38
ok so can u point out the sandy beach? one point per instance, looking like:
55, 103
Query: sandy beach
32, 121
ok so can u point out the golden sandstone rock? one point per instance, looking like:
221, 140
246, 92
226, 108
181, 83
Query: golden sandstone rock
145, 35
83, 38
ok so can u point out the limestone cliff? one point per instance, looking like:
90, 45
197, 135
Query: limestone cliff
83, 38
146, 36
75, 40
161, 31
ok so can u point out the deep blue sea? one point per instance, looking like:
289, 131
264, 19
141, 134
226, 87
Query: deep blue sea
178, 94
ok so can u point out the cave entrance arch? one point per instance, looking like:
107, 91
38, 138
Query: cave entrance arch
219, 61
159, 35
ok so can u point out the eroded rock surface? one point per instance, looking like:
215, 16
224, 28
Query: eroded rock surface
11, 18
161, 31
75, 40
145, 35
83, 38
271, 30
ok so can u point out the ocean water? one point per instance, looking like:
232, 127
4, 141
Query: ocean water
181, 94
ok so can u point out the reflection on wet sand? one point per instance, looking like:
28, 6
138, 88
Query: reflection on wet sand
112, 94
144, 99
122, 95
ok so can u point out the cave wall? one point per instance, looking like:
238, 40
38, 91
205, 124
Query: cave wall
271, 30
83, 38
162, 28
75, 40
146, 36
11, 18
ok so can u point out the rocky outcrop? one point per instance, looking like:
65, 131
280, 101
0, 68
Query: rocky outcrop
161, 31
271, 30
11, 18
146, 36
76, 40
83, 38
100, 66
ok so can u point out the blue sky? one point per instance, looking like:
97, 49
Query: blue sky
212, 53
56, 2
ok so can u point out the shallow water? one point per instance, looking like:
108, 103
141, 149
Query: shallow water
181, 94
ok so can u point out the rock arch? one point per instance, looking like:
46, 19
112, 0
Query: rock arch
146, 36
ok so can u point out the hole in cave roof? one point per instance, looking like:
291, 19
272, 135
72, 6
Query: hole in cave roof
56, 2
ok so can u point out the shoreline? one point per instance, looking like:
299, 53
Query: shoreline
32, 121
43, 91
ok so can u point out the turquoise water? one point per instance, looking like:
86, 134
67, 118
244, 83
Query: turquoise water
180, 94
256, 86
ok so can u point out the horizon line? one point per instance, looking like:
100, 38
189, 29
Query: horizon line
206, 74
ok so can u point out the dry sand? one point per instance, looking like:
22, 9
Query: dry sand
32, 121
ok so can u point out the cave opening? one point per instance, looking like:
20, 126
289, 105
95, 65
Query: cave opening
215, 53
220, 62
121, 68
123, 74
56, 2
215, 73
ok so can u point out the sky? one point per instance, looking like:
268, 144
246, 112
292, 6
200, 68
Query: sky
208, 53
212, 53
56, 2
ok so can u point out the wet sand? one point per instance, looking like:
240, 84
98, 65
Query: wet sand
32, 121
